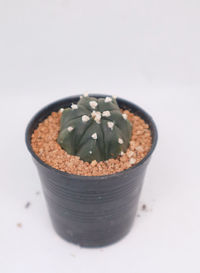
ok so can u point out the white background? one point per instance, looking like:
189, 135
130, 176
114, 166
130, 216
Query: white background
146, 51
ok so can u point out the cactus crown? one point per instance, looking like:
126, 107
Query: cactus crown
94, 129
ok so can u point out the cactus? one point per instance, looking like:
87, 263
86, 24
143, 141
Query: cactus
94, 129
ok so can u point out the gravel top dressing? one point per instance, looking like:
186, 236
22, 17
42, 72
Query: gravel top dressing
44, 144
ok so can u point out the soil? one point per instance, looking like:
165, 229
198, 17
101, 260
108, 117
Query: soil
27, 205
144, 207
45, 146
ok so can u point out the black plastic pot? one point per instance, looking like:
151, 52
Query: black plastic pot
91, 211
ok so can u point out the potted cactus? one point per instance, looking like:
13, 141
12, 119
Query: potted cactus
80, 146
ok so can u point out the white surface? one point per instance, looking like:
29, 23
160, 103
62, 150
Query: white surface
145, 51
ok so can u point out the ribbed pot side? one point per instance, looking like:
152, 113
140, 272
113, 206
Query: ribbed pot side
91, 211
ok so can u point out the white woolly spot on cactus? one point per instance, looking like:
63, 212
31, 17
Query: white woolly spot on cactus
85, 118
120, 141
96, 116
81, 97
74, 106
110, 124
106, 114
61, 110
94, 136
70, 128
114, 97
121, 153
108, 99
132, 161
124, 116
90, 152
93, 104
85, 94
93, 114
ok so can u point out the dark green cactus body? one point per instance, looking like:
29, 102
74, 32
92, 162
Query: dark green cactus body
94, 129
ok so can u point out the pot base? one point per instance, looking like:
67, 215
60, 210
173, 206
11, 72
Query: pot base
98, 235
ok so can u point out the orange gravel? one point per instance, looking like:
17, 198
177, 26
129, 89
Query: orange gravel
45, 146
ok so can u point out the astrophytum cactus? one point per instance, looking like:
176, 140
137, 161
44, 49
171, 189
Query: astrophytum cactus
94, 129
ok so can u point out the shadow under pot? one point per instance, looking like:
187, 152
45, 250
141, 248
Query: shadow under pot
91, 211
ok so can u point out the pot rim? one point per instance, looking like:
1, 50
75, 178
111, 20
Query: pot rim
149, 120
